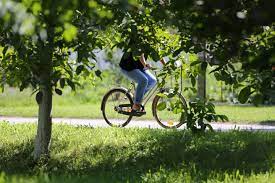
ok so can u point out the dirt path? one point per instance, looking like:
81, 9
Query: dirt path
136, 123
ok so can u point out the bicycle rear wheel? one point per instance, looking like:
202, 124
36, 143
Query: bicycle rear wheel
114, 105
170, 112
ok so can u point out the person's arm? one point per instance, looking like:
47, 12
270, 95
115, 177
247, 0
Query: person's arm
143, 61
162, 61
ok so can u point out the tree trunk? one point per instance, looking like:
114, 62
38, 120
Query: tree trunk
202, 85
44, 97
44, 129
202, 79
44, 100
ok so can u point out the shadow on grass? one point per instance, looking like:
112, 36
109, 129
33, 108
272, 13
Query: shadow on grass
178, 150
17, 159
268, 122
200, 156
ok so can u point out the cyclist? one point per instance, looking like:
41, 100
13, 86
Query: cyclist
138, 71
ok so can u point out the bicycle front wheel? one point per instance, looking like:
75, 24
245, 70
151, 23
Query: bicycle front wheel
115, 107
170, 112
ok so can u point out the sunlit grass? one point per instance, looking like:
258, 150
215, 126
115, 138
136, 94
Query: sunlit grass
248, 114
81, 154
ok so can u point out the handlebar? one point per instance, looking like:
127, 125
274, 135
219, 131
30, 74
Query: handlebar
155, 69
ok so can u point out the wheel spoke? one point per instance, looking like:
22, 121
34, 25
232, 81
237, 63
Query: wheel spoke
113, 99
170, 117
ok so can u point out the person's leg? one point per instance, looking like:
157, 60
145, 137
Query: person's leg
142, 82
152, 81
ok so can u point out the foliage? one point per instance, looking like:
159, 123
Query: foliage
200, 111
113, 154
135, 30
67, 31
42, 57
206, 27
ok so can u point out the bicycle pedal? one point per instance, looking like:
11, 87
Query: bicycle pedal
138, 114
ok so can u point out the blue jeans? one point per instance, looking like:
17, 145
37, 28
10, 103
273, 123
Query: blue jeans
145, 81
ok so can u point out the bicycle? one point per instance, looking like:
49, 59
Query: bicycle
168, 108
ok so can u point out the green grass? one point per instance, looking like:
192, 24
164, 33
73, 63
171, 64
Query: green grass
86, 104
81, 154
159, 176
248, 114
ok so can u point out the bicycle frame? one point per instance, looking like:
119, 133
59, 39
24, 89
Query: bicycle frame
148, 96
152, 91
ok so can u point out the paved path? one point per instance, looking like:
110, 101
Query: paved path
137, 124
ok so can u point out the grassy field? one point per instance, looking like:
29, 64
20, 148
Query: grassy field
248, 114
81, 154
86, 104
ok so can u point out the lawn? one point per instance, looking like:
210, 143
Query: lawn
81, 154
86, 104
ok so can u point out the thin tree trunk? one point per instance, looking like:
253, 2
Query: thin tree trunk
202, 85
202, 77
221, 92
44, 99
44, 129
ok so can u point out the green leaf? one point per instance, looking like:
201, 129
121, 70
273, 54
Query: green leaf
71, 84
257, 99
162, 74
209, 127
5, 50
70, 32
183, 117
244, 94
62, 82
177, 110
36, 8
222, 117
98, 74
217, 76
162, 95
2, 87
178, 51
171, 94
231, 66
58, 91
79, 69
193, 80
225, 118
209, 117
23, 86
211, 107
195, 63
161, 106
38, 97
217, 69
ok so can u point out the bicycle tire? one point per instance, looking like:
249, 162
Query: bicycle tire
122, 91
156, 100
